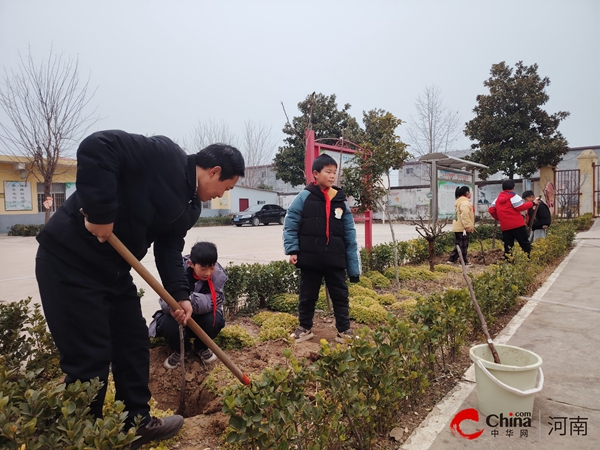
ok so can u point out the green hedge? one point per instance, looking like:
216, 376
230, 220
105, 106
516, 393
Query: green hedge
357, 390
25, 230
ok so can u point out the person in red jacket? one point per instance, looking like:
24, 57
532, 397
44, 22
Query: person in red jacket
506, 209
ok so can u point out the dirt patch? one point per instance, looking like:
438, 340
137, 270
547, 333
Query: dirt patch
205, 422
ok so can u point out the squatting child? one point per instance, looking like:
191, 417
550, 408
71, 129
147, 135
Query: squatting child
320, 237
206, 279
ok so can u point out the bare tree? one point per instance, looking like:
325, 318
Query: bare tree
434, 128
211, 132
258, 148
46, 105
430, 231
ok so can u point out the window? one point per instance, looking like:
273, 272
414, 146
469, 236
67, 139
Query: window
57, 192
206, 204
410, 171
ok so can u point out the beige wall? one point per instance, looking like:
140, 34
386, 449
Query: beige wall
10, 171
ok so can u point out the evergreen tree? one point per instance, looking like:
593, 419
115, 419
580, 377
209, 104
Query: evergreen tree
514, 134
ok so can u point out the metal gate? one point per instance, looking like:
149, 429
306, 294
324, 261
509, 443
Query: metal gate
596, 188
567, 193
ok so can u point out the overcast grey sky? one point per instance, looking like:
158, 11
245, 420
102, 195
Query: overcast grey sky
161, 66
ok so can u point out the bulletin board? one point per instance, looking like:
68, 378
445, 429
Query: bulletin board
17, 196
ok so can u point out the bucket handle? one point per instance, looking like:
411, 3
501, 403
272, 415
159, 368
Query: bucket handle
514, 390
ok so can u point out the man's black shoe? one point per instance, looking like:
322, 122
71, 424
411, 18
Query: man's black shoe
158, 429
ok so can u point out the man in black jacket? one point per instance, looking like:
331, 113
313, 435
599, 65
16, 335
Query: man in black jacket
148, 191
542, 219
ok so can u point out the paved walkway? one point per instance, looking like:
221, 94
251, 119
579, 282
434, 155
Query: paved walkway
562, 326
245, 244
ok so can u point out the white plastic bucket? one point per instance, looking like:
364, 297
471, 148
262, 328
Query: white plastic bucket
509, 387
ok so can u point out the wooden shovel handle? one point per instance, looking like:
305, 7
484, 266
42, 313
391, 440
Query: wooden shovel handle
174, 305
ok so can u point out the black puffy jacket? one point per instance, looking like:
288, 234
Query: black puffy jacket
305, 232
146, 186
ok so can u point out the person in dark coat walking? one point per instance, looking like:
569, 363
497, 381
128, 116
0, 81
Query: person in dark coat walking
320, 237
148, 191
541, 219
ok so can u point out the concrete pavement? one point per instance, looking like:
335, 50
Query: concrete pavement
562, 328
245, 244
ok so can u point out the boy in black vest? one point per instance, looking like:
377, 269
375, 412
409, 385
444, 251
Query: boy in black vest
320, 237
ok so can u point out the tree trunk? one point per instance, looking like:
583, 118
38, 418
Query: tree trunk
47, 211
431, 254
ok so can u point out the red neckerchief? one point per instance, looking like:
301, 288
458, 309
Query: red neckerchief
327, 210
213, 294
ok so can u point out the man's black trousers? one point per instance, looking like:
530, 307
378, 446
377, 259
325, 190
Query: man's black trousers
310, 283
518, 234
96, 325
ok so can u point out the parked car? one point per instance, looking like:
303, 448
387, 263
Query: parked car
257, 214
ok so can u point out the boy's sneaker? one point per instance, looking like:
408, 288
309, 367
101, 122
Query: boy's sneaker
172, 361
206, 355
302, 334
157, 429
468, 264
345, 336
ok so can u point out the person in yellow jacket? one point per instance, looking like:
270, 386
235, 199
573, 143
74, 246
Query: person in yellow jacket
463, 223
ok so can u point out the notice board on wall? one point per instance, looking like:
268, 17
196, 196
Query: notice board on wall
17, 196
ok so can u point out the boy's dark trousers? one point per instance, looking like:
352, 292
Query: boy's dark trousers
169, 328
518, 234
310, 283
106, 316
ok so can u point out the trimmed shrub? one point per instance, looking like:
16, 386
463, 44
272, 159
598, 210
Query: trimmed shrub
386, 299
378, 280
25, 343
234, 337
287, 303
406, 306
355, 291
445, 268
25, 230
406, 273
365, 282
366, 310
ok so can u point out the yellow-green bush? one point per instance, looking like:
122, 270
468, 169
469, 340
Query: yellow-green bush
378, 280
287, 303
355, 291
274, 333
403, 294
234, 337
277, 326
259, 318
405, 305
363, 300
406, 273
386, 299
283, 320
366, 310
365, 282
445, 268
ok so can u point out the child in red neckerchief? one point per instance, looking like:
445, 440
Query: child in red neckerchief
207, 283
320, 237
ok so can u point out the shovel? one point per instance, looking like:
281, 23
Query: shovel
174, 305
477, 308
